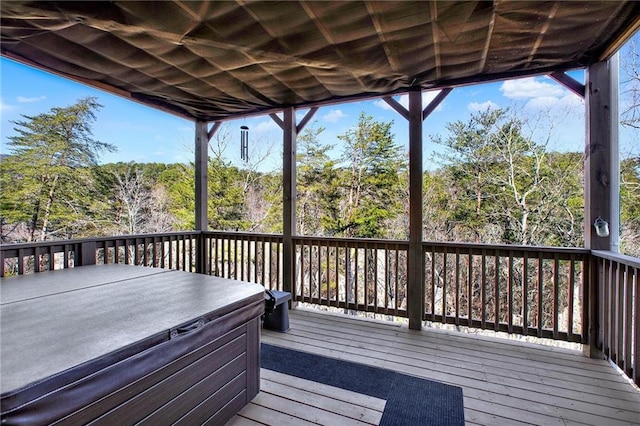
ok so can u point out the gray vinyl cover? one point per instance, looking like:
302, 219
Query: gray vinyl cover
71, 337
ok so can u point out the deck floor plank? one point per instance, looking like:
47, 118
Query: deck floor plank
505, 382
523, 383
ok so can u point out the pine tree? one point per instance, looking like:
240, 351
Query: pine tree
371, 179
47, 176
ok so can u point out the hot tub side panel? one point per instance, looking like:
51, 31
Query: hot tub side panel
203, 374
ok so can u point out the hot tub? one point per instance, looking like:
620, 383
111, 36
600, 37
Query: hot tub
109, 344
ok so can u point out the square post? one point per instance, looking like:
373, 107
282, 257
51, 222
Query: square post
201, 195
415, 274
601, 183
289, 200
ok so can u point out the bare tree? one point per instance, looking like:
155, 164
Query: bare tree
630, 83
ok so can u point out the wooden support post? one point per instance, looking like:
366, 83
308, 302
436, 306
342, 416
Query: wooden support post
289, 200
601, 179
415, 276
201, 198
87, 254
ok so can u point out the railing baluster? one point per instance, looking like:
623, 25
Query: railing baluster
337, 298
619, 351
572, 281
525, 293
52, 258
540, 301
636, 332
20, 262
556, 290
470, 289
626, 364
483, 291
36, 259
444, 285
510, 293
396, 305
496, 289
375, 278
457, 286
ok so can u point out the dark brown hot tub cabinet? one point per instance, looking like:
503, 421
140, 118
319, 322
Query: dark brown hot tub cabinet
120, 344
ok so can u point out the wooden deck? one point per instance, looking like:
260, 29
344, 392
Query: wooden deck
504, 382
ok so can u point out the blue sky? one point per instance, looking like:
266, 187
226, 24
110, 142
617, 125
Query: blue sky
143, 134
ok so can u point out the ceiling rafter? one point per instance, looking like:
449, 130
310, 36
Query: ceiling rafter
433, 8
487, 42
543, 32
380, 31
274, 36
327, 35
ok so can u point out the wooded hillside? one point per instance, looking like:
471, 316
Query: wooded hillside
498, 182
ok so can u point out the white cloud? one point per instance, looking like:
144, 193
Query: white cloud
26, 100
531, 87
542, 102
540, 95
266, 126
5, 107
382, 104
334, 115
482, 106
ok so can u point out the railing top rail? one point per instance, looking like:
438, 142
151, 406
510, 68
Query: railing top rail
349, 240
364, 241
634, 262
454, 245
243, 234
49, 243
506, 247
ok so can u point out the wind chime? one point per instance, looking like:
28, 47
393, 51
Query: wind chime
244, 143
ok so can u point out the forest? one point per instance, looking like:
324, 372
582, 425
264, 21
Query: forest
497, 182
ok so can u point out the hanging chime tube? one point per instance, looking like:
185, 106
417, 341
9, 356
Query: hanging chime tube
244, 143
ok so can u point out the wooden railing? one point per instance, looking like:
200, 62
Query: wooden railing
521, 290
619, 310
244, 256
358, 274
535, 291
171, 250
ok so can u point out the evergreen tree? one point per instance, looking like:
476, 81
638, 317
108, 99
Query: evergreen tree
179, 181
371, 180
317, 186
47, 176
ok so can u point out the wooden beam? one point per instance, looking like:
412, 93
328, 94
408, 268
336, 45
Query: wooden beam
435, 102
308, 116
569, 82
201, 196
289, 199
277, 119
213, 130
397, 106
415, 284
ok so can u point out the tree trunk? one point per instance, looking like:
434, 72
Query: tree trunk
47, 209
